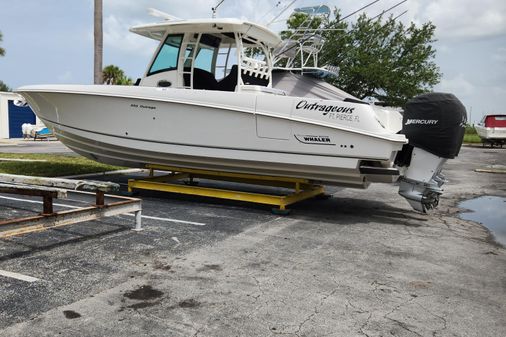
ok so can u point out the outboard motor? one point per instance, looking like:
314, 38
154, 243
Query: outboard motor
434, 125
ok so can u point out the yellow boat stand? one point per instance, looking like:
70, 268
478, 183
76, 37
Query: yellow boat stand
303, 188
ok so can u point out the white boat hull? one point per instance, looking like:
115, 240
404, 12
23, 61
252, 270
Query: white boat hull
487, 133
234, 132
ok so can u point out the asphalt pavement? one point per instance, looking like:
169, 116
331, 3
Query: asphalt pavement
361, 263
32, 146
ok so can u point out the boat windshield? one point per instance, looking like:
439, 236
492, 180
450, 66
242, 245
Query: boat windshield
210, 61
166, 59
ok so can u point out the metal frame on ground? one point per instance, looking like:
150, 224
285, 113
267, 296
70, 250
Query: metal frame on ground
303, 188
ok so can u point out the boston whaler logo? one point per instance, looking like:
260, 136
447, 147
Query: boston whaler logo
421, 121
310, 139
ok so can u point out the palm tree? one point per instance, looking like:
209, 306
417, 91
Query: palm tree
98, 37
3, 86
2, 51
115, 76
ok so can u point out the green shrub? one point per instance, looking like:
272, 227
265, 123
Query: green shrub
470, 130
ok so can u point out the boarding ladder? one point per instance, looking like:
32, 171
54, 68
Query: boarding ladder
224, 67
190, 45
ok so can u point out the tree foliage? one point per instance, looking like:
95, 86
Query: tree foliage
383, 59
4, 87
299, 21
115, 76
301, 27
2, 51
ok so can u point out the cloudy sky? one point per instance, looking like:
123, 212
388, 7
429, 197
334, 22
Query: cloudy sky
51, 41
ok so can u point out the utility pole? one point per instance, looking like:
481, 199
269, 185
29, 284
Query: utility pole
99, 44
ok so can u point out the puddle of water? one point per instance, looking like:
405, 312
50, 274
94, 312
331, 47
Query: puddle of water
490, 211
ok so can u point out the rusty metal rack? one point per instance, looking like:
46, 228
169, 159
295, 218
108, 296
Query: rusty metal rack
12, 184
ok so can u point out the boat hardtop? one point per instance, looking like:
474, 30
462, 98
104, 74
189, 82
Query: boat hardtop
211, 54
252, 30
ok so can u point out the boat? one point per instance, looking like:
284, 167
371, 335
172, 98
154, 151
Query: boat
212, 99
492, 130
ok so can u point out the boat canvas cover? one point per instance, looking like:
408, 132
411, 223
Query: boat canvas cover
307, 86
436, 123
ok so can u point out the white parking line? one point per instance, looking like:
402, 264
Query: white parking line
35, 201
170, 220
18, 276
143, 216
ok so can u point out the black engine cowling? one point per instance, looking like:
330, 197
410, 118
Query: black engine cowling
436, 123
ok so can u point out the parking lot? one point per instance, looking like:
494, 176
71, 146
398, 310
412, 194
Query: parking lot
361, 263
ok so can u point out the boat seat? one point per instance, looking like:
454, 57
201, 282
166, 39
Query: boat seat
202, 79
229, 82
205, 80
253, 80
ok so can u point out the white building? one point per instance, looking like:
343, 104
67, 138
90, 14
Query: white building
12, 116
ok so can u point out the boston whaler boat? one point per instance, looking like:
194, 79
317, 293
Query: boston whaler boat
211, 99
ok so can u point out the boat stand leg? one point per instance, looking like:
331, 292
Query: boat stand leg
47, 204
138, 221
282, 210
279, 211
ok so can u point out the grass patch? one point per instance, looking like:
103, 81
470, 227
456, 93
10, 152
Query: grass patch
470, 130
56, 165
470, 135
472, 138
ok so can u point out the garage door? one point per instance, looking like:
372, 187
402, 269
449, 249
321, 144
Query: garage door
18, 116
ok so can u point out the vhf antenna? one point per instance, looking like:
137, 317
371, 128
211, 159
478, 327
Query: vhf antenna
215, 8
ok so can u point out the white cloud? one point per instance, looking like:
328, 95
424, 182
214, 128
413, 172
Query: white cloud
466, 19
118, 36
498, 92
120, 15
500, 55
454, 19
65, 77
458, 85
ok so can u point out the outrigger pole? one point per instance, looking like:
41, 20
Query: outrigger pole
215, 8
281, 13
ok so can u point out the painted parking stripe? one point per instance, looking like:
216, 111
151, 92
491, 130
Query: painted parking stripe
171, 220
143, 216
36, 202
18, 276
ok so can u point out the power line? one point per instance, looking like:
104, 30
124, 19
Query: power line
281, 13
388, 10
271, 10
398, 16
358, 10
313, 35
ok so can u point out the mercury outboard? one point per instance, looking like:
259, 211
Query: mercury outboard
434, 124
